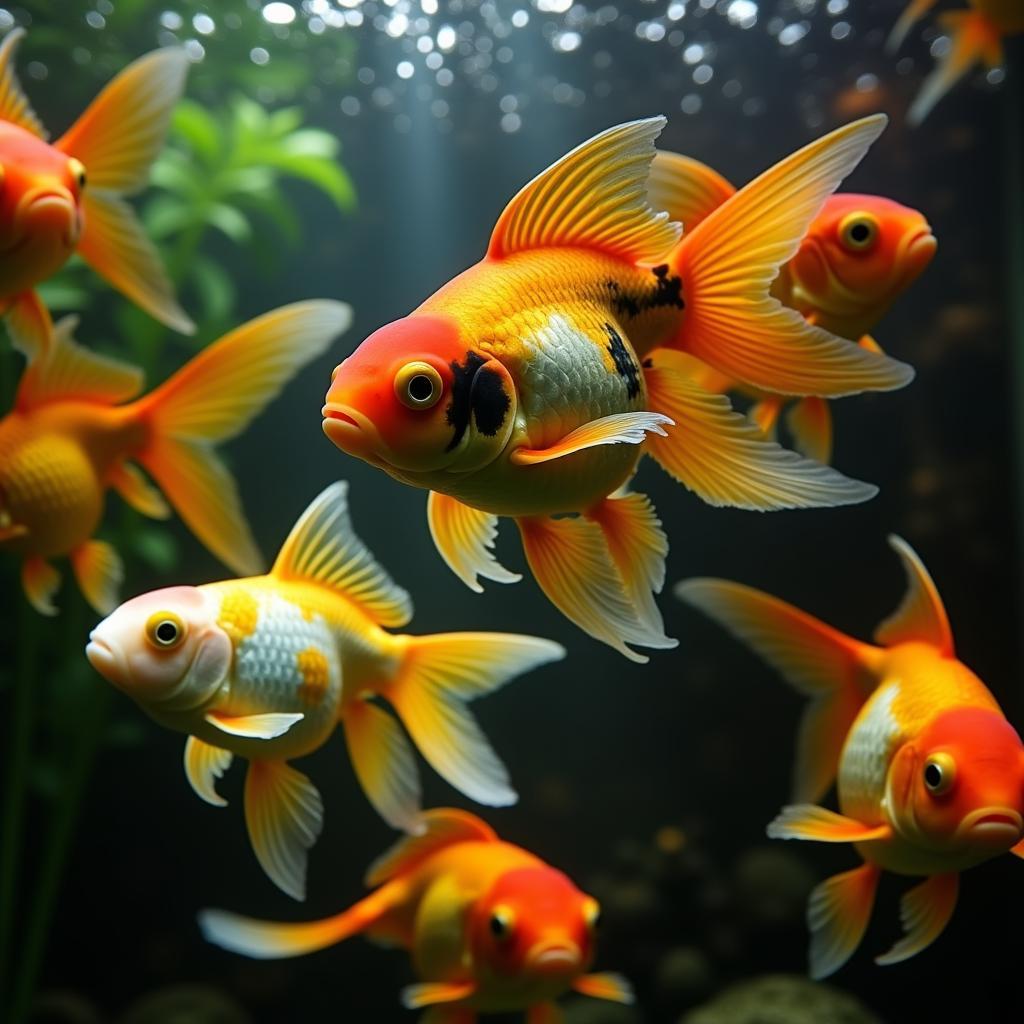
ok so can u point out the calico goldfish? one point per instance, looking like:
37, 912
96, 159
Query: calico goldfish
66, 197
489, 926
976, 34
930, 773
858, 256
266, 668
74, 434
530, 385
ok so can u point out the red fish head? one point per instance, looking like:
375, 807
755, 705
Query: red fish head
960, 784
859, 254
40, 212
534, 925
414, 397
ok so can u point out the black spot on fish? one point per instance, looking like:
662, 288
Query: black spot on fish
478, 392
624, 364
666, 291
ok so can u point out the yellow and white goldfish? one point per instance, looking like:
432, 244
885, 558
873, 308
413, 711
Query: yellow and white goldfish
490, 927
977, 36
530, 385
68, 197
858, 256
266, 668
930, 773
73, 435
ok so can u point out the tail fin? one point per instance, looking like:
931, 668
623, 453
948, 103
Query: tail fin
975, 39
729, 261
213, 398
832, 669
912, 14
438, 676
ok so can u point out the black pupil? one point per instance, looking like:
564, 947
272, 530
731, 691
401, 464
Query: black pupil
933, 776
860, 233
421, 387
167, 632
498, 925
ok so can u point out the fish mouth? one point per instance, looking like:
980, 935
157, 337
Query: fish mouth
920, 248
996, 825
562, 958
106, 660
352, 432
55, 210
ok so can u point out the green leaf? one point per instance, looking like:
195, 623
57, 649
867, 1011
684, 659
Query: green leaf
167, 214
156, 547
215, 288
231, 221
327, 176
199, 130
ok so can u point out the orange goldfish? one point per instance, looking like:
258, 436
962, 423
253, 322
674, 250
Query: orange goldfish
73, 434
858, 256
531, 384
265, 668
68, 197
490, 927
930, 773
977, 35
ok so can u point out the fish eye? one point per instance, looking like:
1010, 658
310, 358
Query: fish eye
858, 231
939, 774
418, 385
77, 172
165, 630
592, 914
501, 923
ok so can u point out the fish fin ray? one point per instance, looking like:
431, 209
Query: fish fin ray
127, 479
912, 14
40, 581
921, 616
924, 912
254, 727
837, 915
14, 104
428, 993
618, 428
204, 764
605, 985
99, 570
810, 424
820, 825
29, 326
464, 537
686, 188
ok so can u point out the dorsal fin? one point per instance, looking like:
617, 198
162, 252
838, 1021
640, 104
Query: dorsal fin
686, 188
323, 548
14, 104
70, 371
921, 617
593, 198
445, 826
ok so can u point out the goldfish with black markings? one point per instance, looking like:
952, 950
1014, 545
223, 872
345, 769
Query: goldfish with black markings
66, 197
530, 385
489, 926
77, 431
858, 256
930, 773
266, 668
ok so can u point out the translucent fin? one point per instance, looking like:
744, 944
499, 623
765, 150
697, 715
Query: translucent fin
593, 198
428, 993
730, 260
123, 130
723, 458
834, 670
204, 765
14, 104
820, 825
70, 371
100, 572
613, 987
810, 423
924, 913
686, 188
765, 416
254, 727
29, 326
921, 616
138, 492
464, 537
571, 562
837, 915
438, 676
115, 246
619, 428
384, 763
442, 827
40, 581
323, 548
284, 815
912, 14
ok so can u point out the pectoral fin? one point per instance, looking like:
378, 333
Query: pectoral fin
810, 423
1018, 850
808, 821
837, 916
464, 537
613, 987
620, 428
100, 573
415, 997
29, 325
138, 492
204, 764
924, 913
254, 727
40, 581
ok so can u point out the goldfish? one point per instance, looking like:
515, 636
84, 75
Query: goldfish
930, 773
74, 433
977, 35
489, 926
530, 385
858, 256
68, 197
265, 668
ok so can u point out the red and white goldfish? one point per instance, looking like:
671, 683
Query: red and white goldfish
530, 385
977, 36
490, 927
73, 435
930, 773
858, 256
266, 668
68, 197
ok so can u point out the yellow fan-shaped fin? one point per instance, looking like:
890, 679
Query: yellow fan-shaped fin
100, 572
14, 104
204, 765
613, 987
40, 582
837, 915
924, 913
138, 492
686, 188
29, 325
921, 616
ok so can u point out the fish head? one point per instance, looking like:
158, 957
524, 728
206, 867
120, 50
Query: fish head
163, 649
415, 398
859, 255
535, 925
960, 784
